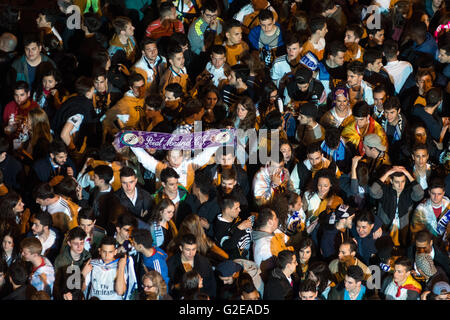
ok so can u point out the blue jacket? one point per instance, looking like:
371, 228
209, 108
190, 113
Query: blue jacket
429, 46
254, 36
366, 246
158, 263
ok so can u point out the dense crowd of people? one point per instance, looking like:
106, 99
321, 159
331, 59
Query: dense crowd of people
348, 99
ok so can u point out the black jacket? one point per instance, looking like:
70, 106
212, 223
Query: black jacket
144, 202
201, 265
12, 171
22, 293
242, 178
231, 239
278, 287
43, 170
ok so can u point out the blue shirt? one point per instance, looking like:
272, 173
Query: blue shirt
360, 295
428, 46
158, 263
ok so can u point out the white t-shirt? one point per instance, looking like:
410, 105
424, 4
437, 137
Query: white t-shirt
76, 120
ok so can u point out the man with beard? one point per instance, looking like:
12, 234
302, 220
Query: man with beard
347, 258
359, 90
304, 88
353, 35
16, 111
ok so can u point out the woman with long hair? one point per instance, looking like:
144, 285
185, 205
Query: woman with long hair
319, 273
205, 246
40, 137
191, 283
13, 214
305, 254
244, 118
10, 249
417, 134
49, 94
321, 195
215, 110
163, 228
154, 287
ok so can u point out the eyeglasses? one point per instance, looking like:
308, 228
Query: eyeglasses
211, 16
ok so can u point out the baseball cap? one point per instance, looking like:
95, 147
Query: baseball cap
441, 287
344, 211
374, 141
227, 268
308, 109
303, 75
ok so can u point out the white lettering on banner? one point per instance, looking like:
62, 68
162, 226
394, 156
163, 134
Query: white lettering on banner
74, 21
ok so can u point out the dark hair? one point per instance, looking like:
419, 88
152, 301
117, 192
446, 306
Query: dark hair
365, 215
313, 147
361, 109
83, 85
67, 187
126, 220
322, 273
356, 29
332, 137
356, 273
167, 173
424, 236
328, 174
193, 106
284, 258
157, 211
228, 174
233, 23
57, 146
419, 29
99, 72
86, 213
210, 5
379, 88
50, 15
263, 218
245, 283
144, 237
307, 286
188, 238
92, 21
176, 89
433, 96
30, 38
362, 173
120, 23
4, 145
352, 244
203, 182
154, 101
108, 241
306, 242
22, 85
436, 182
419, 146
390, 48
373, 31
44, 218
165, 8
405, 262
370, 56
135, 77
190, 284
18, 274
241, 71
392, 103
173, 50
357, 67
147, 41
317, 23
250, 119
104, 172
265, 14
75, 233
7, 205
44, 191
218, 49
227, 202
127, 172
334, 47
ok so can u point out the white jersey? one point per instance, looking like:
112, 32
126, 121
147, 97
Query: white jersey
100, 282
279, 69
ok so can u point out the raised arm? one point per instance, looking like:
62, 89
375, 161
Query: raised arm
145, 159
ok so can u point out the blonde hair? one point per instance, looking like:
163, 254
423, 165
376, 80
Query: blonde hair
158, 281
40, 126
